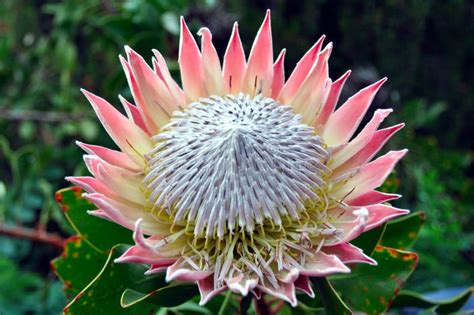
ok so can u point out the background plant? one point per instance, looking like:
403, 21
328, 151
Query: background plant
49, 49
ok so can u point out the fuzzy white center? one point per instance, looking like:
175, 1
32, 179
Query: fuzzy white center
234, 161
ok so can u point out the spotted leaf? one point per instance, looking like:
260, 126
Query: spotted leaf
102, 295
371, 289
77, 265
100, 234
402, 233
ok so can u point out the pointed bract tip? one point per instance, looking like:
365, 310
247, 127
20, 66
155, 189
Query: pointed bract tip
380, 82
267, 20
123, 61
133, 56
319, 42
327, 50
129, 51
344, 77
93, 99
281, 56
98, 213
385, 110
204, 31
235, 33
119, 260
184, 26
398, 155
372, 261
267, 14
375, 86
90, 96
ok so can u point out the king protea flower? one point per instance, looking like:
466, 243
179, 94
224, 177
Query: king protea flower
240, 179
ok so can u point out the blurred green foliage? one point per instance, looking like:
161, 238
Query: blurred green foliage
49, 49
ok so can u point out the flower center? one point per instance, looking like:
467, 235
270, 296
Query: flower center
235, 161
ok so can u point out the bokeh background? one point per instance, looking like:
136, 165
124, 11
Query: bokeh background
49, 49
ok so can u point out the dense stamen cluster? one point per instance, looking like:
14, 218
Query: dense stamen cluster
235, 161
262, 253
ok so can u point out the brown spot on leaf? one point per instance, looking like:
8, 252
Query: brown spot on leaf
393, 252
59, 197
78, 296
409, 256
53, 266
77, 191
74, 239
400, 282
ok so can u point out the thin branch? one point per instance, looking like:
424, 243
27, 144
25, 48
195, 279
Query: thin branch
35, 235
37, 115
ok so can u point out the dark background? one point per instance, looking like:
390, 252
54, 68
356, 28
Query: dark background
49, 49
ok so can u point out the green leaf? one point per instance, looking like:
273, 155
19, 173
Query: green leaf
333, 304
288, 310
402, 233
369, 240
168, 296
99, 233
77, 265
371, 289
102, 295
413, 299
